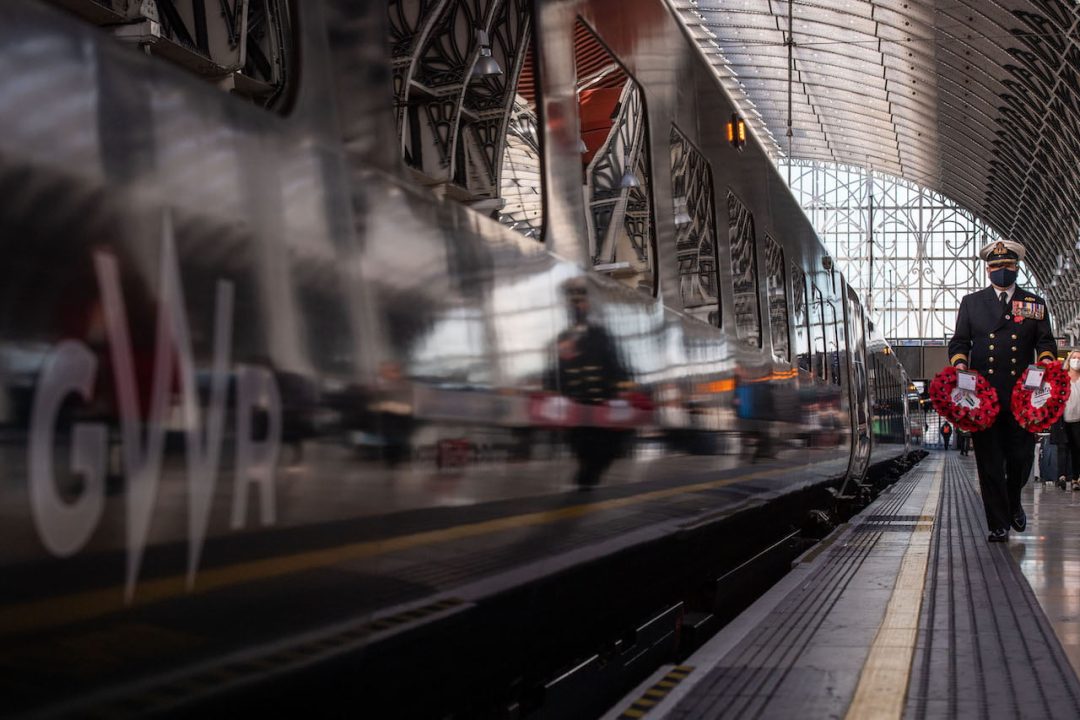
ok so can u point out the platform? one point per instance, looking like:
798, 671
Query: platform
339, 593
906, 611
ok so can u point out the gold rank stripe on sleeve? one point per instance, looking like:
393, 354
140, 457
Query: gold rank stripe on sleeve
1046, 355
959, 357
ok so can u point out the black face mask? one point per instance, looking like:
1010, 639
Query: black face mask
1003, 278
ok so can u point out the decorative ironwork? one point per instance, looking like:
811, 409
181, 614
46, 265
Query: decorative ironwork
858, 356
921, 247
410, 22
444, 59
800, 312
436, 81
490, 100
817, 331
1033, 183
266, 42
743, 243
519, 178
509, 32
460, 129
977, 101
245, 47
776, 291
833, 335
637, 220
695, 229
620, 217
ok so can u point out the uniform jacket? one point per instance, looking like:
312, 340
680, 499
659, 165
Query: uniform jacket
589, 368
991, 339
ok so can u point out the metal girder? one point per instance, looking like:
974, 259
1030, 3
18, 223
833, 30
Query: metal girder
977, 100
245, 47
695, 228
619, 213
453, 125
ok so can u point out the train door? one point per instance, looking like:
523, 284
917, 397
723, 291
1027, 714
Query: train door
906, 389
858, 381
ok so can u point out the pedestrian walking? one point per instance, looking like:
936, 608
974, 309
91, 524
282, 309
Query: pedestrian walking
1071, 417
999, 331
963, 441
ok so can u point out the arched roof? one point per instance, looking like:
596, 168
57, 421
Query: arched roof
976, 99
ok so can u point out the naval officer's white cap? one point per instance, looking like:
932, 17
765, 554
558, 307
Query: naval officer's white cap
1002, 250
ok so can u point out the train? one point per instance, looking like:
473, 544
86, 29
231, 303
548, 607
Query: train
414, 342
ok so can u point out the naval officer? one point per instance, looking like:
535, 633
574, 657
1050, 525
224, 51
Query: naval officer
999, 331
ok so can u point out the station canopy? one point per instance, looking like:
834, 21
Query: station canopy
976, 99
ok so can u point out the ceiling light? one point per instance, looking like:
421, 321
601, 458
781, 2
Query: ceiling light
486, 65
736, 131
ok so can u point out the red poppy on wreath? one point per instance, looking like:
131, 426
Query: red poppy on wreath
967, 411
1036, 409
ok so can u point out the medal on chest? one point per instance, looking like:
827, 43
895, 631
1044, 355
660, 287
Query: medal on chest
1027, 309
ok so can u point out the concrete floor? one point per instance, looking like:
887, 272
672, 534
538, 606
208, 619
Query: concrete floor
1049, 556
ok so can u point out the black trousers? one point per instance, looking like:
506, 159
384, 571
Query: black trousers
1004, 454
595, 448
1072, 433
945, 437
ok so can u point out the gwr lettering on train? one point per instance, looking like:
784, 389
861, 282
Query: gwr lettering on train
70, 369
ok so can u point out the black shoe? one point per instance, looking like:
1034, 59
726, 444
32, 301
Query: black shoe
998, 536
1019, 521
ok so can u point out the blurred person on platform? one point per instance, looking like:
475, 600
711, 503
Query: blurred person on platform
946, 434
1071, 418
963, 441
590, 372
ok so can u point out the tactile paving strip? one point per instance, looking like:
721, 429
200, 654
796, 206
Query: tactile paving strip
986, 649
749, 677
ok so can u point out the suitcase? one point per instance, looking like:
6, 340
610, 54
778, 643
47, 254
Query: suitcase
1047, 471
1053, 462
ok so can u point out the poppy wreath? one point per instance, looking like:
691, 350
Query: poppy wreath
1039, 419
971, 419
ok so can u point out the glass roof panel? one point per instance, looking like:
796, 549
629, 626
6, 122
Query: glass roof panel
977, 100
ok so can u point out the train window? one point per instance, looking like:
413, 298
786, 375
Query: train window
615, 165
777, 294
247, 48
832, 333
817, 331
695, 229
858, 353
465, 101
743, 245
802, 317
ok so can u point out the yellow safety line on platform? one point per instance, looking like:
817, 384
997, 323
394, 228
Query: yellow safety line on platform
882, 689
656, 692
90, 604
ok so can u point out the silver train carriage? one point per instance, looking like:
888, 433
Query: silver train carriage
297, 295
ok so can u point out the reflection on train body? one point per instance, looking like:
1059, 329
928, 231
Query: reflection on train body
239, 349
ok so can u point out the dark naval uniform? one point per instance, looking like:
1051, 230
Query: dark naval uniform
1000, 341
